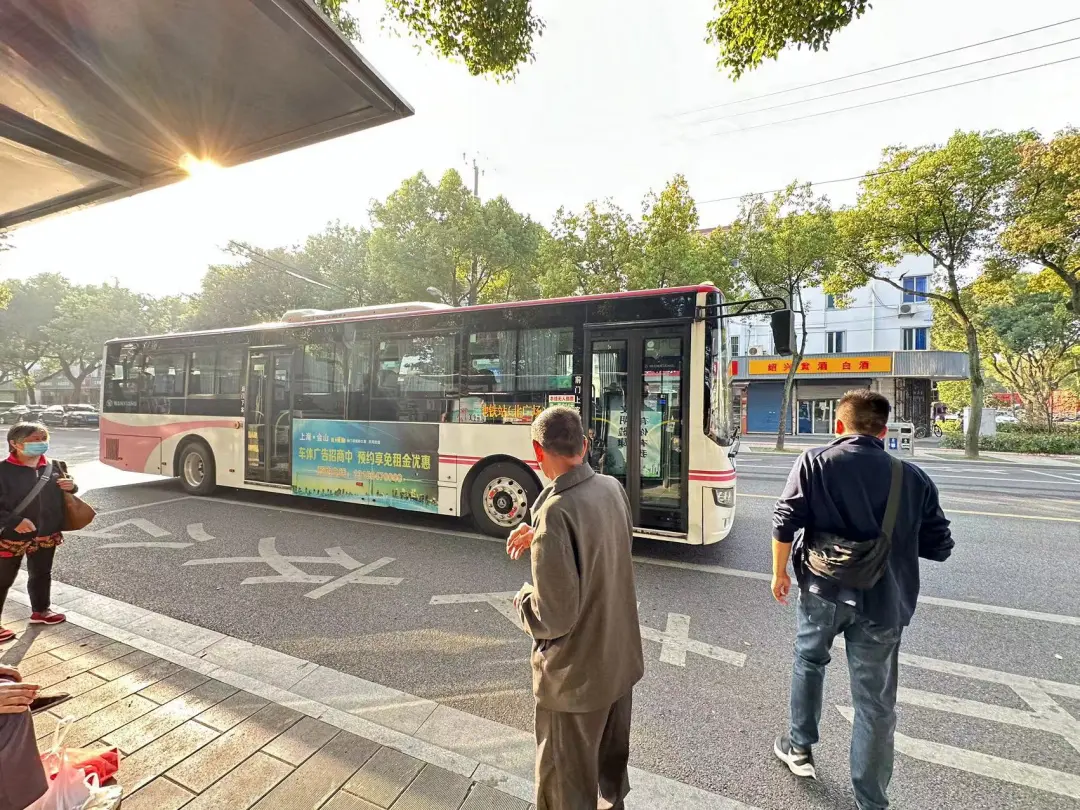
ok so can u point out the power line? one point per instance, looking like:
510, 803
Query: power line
892, 98
883, 84
877, 69
862, 176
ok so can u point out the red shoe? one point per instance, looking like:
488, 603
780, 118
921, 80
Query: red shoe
6, 635
47, 617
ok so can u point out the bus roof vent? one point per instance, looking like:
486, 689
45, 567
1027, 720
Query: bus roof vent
302, 315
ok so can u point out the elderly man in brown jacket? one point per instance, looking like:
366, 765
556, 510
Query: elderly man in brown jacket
581, 611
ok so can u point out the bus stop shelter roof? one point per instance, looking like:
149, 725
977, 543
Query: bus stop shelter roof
101, 100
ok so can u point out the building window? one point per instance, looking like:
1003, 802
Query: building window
830, 302
835, 342
917, 339
913, 285
734, 345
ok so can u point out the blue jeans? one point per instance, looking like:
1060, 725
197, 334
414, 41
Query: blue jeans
872, 652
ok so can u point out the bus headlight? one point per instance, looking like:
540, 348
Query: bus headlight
724, 497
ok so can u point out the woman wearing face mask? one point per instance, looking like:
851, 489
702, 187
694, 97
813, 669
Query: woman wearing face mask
33, 531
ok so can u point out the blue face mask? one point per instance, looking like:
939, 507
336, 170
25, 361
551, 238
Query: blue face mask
36, 448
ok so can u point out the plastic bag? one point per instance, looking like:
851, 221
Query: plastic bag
67, 789
102, 798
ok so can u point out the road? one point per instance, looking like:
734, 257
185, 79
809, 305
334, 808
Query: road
990, 676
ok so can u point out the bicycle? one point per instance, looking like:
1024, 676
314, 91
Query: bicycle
921, 432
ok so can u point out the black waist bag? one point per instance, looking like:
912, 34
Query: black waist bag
857, 564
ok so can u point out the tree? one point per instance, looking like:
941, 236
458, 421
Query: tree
167, 314
671, 249
784, 246
84, 318
945, 202
444, 237
595, 251
24, 350
750, 31
1044, 210
492, 38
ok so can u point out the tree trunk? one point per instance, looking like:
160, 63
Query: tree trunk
76, 388
785, 403
978, 387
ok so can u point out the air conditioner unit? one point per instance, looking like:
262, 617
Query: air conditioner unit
756, 350
906, 309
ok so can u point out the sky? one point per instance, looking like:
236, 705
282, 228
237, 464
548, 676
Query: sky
615, 104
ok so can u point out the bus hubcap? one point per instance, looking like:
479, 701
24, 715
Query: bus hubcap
193, 469
505, 502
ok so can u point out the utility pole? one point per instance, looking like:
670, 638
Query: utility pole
475, 174
471, 294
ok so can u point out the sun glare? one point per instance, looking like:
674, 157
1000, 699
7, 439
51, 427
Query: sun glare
198, 167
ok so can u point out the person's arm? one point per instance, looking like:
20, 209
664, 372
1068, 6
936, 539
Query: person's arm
549, 607
935, 536
791, 514
66, 482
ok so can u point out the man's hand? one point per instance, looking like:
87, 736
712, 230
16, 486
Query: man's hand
519, 541
781, 587
66, 484
16, 698
26, 526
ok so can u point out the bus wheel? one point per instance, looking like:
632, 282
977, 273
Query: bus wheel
197, 473
500, 497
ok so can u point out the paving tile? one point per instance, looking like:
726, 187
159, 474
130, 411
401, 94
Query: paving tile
346, 801
484, 798
384, 777
174, 686
380, 704
39, 639
220, 756
13, 611
160, 720
508, 749
36, 663
301, 741
435, 789
80, 645
243, 786
231, 711
161, 794
267, 666
174, 633
112, 691
44, 726
125, 664
314, 782
104, 609
83, 663
75, 686
153, 760
104, 721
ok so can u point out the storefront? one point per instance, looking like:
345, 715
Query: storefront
906, 378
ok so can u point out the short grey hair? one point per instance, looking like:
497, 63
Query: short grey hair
558, 430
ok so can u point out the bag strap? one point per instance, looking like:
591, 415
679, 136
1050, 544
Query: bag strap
43, 479
892, 506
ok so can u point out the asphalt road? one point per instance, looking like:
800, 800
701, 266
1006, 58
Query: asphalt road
990, 678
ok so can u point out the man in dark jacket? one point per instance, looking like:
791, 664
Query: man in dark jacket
581, 611
842, 489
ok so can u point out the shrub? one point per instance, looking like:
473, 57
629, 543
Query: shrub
1056, 444
1025, 428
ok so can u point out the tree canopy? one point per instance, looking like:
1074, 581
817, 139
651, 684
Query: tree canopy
748, 32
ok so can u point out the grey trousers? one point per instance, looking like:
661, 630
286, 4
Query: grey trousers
581, 759
22, 779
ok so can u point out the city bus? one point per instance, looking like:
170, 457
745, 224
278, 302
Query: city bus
426, 407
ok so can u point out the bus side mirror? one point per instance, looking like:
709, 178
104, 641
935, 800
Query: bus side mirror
783, 331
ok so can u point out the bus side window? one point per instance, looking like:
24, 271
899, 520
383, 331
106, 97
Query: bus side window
491, 360
358, 385
322, 382
413, 378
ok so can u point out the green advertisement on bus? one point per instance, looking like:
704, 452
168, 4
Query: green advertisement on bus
379, 464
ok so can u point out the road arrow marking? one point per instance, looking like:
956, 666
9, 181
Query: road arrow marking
675, 643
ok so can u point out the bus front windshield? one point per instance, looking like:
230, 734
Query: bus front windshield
718, 426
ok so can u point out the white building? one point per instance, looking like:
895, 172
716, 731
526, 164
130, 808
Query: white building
879, 339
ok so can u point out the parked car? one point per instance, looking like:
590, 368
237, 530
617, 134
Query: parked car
22, 413
77, 415
1006, 419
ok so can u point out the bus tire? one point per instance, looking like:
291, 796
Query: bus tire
198, 474
500, 496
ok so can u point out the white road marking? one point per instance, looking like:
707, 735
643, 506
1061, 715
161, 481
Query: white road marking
1055, 475
1002, 611
197, 533
287, 571
147, 544
502, 601
953, 511
704, 568
141, 524
675, 643
143, 506
1005, 770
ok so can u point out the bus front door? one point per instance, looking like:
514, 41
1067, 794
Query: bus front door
635, 419
268, 416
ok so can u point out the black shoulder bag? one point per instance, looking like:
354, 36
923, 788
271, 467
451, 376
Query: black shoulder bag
43, 479
857, 564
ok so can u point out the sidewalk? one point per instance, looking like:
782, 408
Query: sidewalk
206, 722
